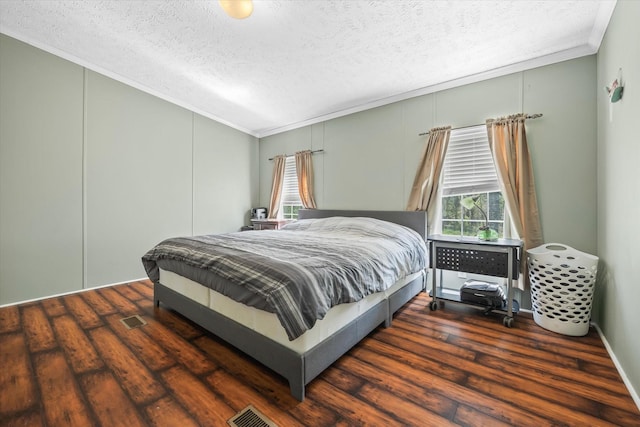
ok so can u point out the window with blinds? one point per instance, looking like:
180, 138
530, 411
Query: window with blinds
468, 165
468, 170
290, 201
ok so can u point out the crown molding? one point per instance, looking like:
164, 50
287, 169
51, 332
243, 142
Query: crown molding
122, 79
542, 61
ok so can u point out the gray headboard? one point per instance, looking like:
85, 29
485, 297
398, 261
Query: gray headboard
416, 220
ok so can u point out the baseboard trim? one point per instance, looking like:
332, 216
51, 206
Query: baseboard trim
72, 292
625, 379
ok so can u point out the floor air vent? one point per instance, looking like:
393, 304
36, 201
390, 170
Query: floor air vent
250, 417
133, 322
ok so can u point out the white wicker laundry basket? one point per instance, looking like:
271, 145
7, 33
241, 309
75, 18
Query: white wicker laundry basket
562, 283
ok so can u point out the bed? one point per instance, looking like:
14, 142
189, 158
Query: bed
299, 344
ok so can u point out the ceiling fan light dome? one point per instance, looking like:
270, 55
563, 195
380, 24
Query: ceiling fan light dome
238, 9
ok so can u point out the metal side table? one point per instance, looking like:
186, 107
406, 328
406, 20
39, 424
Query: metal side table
500, 258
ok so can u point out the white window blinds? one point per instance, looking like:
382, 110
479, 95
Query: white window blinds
468, 164
290, 193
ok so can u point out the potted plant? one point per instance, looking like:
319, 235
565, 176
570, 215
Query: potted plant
484, 232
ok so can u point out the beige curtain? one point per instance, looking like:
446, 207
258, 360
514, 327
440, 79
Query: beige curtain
276, 186
304, 170
424, 192
508, 143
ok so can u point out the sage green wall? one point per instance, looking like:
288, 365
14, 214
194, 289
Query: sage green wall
137, 177
562, 145
370, 157
40, 173
94, 172
225, 177
618, 191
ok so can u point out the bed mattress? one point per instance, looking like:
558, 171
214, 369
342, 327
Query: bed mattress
267, 323
300, 271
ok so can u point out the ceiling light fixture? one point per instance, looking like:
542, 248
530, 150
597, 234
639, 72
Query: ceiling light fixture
238, 9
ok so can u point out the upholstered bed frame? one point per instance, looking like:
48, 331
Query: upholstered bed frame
300, 368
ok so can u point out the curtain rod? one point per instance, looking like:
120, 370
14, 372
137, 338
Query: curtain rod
529, 116
291, 155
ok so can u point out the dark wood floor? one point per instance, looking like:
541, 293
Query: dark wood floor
69, 361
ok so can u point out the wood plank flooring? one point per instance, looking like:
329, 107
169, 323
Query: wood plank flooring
69, 361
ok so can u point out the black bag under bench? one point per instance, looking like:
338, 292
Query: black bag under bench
485, 294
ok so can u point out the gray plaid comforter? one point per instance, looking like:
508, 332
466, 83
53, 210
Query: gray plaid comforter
304, 269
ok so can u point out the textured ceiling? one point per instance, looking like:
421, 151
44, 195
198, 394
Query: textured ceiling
295, 62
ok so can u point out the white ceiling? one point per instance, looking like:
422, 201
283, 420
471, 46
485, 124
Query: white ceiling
296, 62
